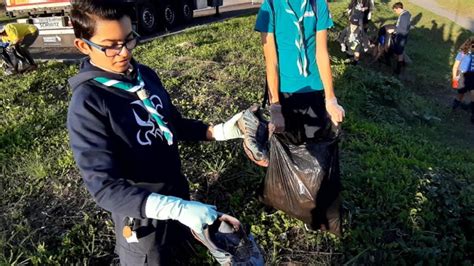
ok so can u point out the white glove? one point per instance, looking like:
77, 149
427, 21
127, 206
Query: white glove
369, 16
335, 111
228, 130
343, 48
193, 214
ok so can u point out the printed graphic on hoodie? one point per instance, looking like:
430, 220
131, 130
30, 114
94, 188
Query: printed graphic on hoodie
149, 130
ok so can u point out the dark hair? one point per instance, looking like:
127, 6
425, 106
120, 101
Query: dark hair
467, 46
397, 5
84, 14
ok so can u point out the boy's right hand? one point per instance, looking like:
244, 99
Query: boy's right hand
228, 130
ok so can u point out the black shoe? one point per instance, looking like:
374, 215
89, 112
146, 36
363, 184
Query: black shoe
472, 111
464, 106
387, 60
10, 71
456, 104
398, 69
30, 68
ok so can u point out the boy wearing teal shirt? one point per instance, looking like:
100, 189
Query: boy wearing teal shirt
299, 78
295, 77
294, 41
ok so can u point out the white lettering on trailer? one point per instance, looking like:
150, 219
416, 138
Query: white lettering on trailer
46, 23
52, 39
52, 32
49, 22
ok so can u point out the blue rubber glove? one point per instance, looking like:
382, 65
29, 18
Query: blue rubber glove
193, 214
4, 44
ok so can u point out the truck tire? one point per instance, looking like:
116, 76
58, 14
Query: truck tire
170, 16
147, 19
186, 11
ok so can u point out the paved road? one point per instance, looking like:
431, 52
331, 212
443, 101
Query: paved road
466, 22
201, 17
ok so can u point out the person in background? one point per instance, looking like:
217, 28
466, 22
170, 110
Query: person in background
463, 74
401, 34
21, 36
360, 11
354, 42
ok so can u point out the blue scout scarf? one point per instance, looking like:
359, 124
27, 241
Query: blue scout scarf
302, 61
144, 97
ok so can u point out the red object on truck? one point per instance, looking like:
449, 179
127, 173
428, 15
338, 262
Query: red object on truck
18, 6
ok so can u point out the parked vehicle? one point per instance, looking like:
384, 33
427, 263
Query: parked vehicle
55, 29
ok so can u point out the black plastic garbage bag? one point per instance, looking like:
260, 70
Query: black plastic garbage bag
304, 181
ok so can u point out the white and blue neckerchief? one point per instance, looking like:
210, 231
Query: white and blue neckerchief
302, 61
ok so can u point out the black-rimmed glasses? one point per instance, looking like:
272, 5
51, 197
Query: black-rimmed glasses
111, 51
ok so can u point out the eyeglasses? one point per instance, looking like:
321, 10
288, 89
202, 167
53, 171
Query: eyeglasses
111, 51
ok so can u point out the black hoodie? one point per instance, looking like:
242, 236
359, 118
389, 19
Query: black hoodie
119, 149
359, 44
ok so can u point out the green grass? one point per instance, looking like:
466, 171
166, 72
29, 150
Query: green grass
407, 173
463, 7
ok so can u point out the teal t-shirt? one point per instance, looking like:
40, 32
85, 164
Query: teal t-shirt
282, 24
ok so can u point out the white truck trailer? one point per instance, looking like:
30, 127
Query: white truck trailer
55, 29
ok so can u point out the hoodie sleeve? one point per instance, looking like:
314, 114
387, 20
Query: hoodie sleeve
93, 146
342, 36
188, 129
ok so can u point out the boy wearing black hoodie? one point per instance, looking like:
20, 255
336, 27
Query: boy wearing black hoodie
123, 131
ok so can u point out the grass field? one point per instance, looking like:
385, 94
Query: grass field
463, 7
406, 160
